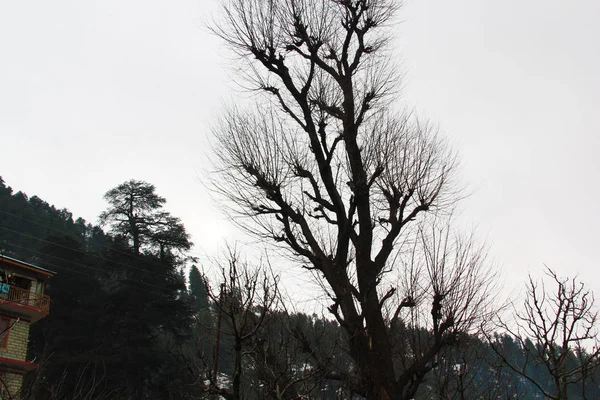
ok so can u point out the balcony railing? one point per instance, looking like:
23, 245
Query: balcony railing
27, 298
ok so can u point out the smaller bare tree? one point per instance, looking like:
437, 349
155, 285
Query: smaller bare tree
558, 332
244, 298
297, 356
449, 291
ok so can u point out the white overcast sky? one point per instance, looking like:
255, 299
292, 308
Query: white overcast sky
93, 93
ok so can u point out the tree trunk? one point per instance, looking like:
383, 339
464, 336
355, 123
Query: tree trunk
237, 370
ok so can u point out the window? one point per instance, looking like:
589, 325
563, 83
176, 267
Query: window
5, 325
21, 282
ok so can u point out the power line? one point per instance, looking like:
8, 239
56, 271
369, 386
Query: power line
199, 255
87, 253
82, 252
111, 248
64, 267
160, 288
71, 234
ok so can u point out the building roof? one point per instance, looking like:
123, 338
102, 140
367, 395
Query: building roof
27, 265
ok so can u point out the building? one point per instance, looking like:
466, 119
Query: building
22, 302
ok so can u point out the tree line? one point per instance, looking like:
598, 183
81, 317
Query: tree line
128, 322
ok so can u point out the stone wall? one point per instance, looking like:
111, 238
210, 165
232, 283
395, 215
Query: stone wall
16, 348
13, 383
17, 341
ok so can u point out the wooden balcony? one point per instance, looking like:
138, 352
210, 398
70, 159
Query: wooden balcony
23, 302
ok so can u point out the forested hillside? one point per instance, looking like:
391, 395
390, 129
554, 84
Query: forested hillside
132, 317
115, 313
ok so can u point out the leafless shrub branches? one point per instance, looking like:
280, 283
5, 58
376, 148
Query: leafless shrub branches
552, 327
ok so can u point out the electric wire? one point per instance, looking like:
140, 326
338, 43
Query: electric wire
87, 253
212, 259
82, 252
158, 289
195, 254
99, 244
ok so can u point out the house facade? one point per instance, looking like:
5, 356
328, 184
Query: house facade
22, 302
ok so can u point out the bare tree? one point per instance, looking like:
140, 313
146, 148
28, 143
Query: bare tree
557, 332
446, 295
286, 361
273, 351
323, 167
244, 298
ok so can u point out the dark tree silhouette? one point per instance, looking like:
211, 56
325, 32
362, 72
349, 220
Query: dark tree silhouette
198, 289
558, 334
135, 213
244, 298
324, 167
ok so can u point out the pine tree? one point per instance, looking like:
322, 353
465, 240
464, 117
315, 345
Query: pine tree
136, 214
198, 289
